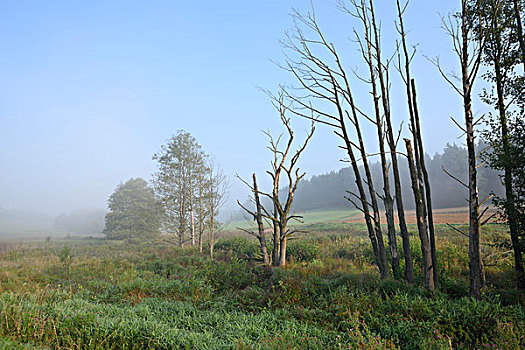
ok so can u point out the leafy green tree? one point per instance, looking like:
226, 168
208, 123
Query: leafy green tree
181, 165
190, 188
133, 211
501, 54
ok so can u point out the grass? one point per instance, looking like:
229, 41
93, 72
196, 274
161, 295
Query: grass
101, 294
308, 218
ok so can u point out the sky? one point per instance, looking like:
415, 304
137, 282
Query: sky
89, 91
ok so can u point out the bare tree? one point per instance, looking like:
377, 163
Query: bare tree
285, 163
325, 81
370, 47
415, 128
258, 216
469, 48
218, 192
421, 222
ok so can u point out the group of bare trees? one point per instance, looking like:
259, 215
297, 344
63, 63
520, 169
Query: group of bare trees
483, 32
326, 96
279, 214
191, 189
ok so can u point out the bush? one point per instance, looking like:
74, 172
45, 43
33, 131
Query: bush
239, 246
303, 250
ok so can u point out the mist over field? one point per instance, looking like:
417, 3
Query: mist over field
262, 175
90, 96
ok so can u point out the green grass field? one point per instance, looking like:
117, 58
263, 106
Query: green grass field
101, 294
308, 218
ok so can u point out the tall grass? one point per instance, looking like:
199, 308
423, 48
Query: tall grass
151, 295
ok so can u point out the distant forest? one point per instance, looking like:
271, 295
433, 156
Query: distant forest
327, 191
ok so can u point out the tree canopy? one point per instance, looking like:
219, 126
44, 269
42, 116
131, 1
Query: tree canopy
133, 211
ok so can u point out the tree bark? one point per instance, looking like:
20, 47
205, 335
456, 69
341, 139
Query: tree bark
276, 250
192, 213
282, 257
201, 212
260, 225
387, 197
519, 29
409, 267
211, 238
507, 172
421, 222
475, 263
364, 204
428, 194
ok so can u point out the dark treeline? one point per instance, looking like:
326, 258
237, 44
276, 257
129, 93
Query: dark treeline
328, 190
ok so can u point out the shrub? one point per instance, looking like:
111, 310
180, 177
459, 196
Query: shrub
239, 246
303, 250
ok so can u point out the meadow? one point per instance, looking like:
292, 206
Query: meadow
86, 293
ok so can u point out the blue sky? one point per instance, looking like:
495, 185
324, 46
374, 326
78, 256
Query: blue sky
90, 90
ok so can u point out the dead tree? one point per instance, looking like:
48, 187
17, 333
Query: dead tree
415, 128
326, 81
412, 105
371, 52
468, 49
217, 196
423, 175
421, 222
258, 217
284, 163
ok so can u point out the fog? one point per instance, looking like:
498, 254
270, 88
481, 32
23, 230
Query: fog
89, 92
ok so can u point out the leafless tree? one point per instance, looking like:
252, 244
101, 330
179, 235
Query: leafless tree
258, 216
324, 83
370, 47
218, 191
285, 163
421, 222
469, 48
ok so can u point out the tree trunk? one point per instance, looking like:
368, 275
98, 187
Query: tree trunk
276, 250
428, 194
192, 218
192, 214
371, 227
475, 264
387, 197
282, 256
421, 222
409, 265
376, 218
201, 213
181, 218
507, 175
260, 226
520, 31
474, 228
364, 206
212, 221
